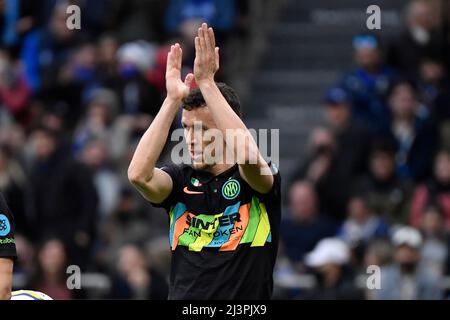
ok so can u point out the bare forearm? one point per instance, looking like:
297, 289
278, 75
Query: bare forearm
224, 116
152, 142
6, 274
229, 122
244, 148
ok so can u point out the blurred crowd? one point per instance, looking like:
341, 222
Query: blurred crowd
375, 187
73, 104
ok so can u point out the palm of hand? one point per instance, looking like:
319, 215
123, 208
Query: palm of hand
176, 88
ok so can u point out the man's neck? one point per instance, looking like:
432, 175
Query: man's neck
218, 168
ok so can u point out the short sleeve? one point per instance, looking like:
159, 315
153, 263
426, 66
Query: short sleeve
273, 197
275, 193
7, 240
176, 174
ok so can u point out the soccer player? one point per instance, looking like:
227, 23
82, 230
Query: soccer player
7, 250
224, 217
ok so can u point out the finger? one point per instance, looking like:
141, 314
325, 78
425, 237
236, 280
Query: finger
178, 56
217, 58
212, 37
208, 46
170, 58
197, 46
188, 80
202, 41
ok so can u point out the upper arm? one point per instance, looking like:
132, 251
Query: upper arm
157, 189
6, 276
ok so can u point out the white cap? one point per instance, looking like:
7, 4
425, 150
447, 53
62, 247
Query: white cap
140, 53
328, 250
407, 236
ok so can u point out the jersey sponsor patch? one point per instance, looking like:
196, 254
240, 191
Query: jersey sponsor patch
238, 224
5, 226
231, 189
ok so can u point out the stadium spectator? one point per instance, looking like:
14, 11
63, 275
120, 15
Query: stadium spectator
420, 39
317, 169
95, 155
434, 89
135, 278
321, 146
413, 131
54, 46
136, 94
130, 222
101, 122
335, 279
51, 274
64, 197
107, 59
434, 253
368, 85
14, 91
379, 254
349, 159
305, 226
362, 225
18, 18
436, 191
81, 68
404, 279
386, 195
336, 155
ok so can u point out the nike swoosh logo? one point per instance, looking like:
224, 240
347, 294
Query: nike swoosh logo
186, 190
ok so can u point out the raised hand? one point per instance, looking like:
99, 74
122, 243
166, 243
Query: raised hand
206, 61
176, 88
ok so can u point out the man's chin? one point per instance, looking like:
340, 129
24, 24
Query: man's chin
199, 165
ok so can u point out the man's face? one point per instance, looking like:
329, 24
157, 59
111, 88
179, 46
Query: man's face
421, 15
358, 211
432, 223
303, 201
382, 165
195, 123
406, 256
43, 144
442, 168
367, 58
402, 102
431, 71
338, 115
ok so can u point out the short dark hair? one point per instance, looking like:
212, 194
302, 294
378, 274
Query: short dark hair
402, 81
195, 98
383, 145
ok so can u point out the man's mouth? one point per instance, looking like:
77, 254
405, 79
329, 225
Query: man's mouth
196, 156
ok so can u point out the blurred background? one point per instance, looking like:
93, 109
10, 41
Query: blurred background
364, 119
